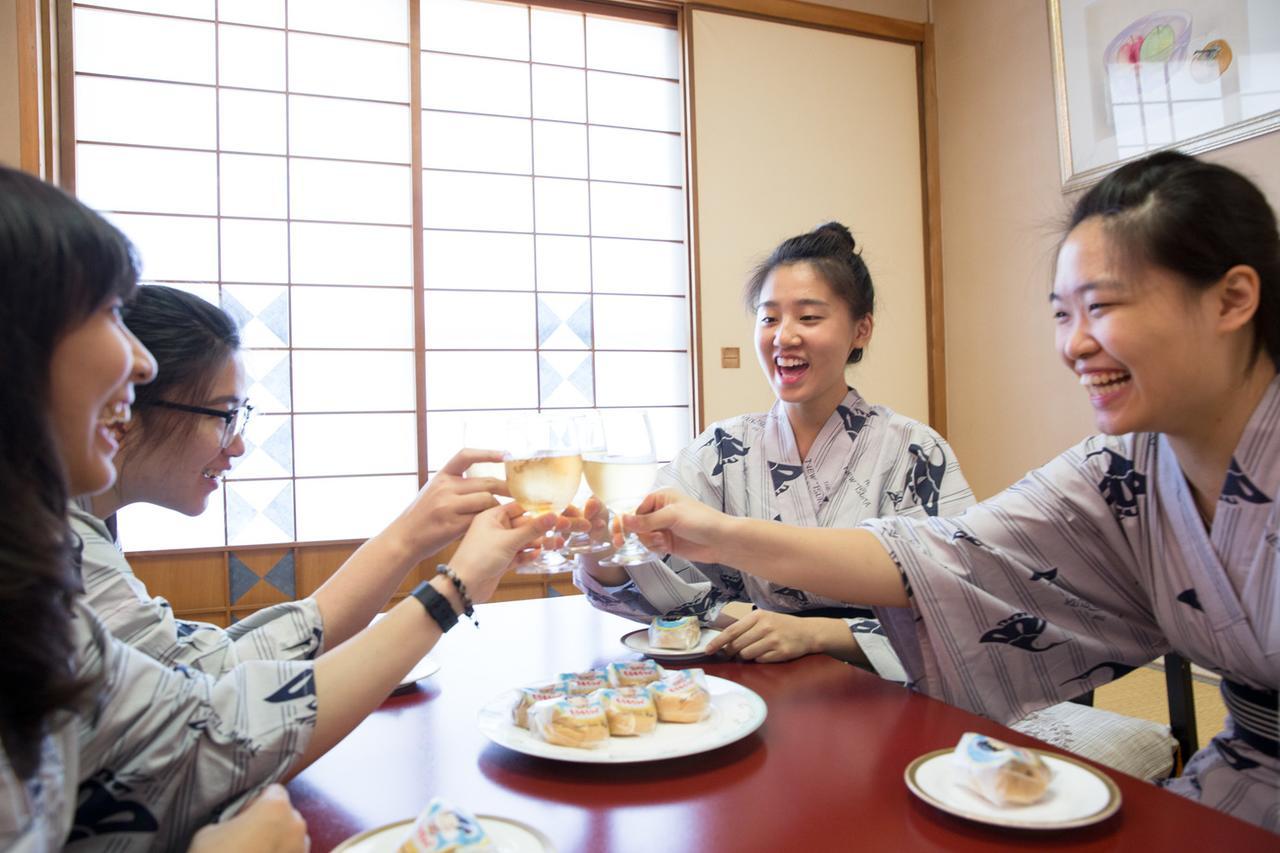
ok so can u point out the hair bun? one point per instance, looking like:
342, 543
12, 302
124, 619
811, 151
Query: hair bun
839, 232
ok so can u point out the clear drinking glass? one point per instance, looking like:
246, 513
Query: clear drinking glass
543, 469
486, 432
591, 441
620, 471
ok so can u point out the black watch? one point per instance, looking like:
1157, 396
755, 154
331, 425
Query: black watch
438, 607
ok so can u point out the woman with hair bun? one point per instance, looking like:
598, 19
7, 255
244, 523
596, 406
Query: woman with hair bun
823, 456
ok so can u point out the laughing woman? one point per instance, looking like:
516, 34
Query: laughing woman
1159, 534
821, 457
103, 746
185, 434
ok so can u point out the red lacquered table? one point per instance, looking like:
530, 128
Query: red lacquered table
824, 772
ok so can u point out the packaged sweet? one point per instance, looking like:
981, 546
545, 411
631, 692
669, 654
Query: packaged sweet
531, 695
582, 683
681, 696
576, 721
629, 710
1004, 774
681, 633
633, 673
442, 828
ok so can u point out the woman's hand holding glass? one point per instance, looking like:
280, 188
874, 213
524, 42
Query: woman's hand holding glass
493, 544
446, 506
671, 522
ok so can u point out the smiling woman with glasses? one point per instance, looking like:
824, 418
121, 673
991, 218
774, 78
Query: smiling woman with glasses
187, 431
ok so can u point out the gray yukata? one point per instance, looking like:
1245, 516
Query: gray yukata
289, 631
867, 461
157, 752
1093, 565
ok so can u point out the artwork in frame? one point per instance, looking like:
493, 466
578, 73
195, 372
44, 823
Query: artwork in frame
1136, 76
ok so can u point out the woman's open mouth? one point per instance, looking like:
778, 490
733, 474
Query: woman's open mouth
790, 370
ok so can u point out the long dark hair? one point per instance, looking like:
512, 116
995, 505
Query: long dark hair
1196, 219
831, 251
191, 341
59, 262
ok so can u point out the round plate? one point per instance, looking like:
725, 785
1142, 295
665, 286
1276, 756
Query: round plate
735, 713
509, 836
1078, 795
638, 641
422, 669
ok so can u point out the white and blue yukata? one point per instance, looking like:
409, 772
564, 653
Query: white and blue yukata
1095, 564
867, 461
292, 630
156, 752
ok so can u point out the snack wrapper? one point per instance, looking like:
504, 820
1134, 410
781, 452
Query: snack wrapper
1004, 774
585, 682
577, 721
442, 828
681, 696
681, 633
531, 695
633, 673
629, 710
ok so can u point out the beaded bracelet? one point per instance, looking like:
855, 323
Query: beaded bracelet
468, 609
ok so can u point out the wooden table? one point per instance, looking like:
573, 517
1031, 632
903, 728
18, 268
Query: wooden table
823, 773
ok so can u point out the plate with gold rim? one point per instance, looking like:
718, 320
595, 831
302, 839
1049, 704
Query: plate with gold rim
506, 835
1078, 795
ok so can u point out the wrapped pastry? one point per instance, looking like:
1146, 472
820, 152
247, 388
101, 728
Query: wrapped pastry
681, 633
530, 695
582, 683
629, 711
681, 696
441, 828
633, 673
1004, 774
577, 721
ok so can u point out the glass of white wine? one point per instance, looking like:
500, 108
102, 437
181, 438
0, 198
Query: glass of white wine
543, 467
620, 471
486, 432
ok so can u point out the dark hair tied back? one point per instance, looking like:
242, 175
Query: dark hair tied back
1196, 219
832, 252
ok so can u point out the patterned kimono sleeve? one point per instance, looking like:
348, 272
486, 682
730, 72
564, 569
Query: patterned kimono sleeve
289, 631
673, 586
931, 483
169, 749
1028, 598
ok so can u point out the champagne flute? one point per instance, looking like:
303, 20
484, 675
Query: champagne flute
623, 473
543, 468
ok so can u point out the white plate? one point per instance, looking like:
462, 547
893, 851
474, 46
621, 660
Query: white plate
735, 713
1078, 795
508, 836
424, 668
638, 641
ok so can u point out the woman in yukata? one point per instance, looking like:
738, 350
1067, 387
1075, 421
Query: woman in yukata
824, 457
186, 431
1160, 534
103, 746
821, 457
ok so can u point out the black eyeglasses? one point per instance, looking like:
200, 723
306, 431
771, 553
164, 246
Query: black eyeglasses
236, 419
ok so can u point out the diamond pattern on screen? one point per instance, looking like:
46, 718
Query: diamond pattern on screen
259, 511
565, 379
268, 448
262, 578
261, 312
268, 374
564, 321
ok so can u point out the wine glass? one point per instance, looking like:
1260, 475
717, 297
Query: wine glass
592, 442
486, 432
622, 473
543, 468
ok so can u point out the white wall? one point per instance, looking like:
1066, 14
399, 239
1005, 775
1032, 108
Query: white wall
788, 137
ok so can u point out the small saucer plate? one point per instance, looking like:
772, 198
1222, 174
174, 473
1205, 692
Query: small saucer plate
509, 836
1078, 795
638, 641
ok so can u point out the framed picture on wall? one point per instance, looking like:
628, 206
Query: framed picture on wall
1136, 76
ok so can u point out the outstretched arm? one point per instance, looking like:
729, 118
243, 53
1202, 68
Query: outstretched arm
438, 515
847, 565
